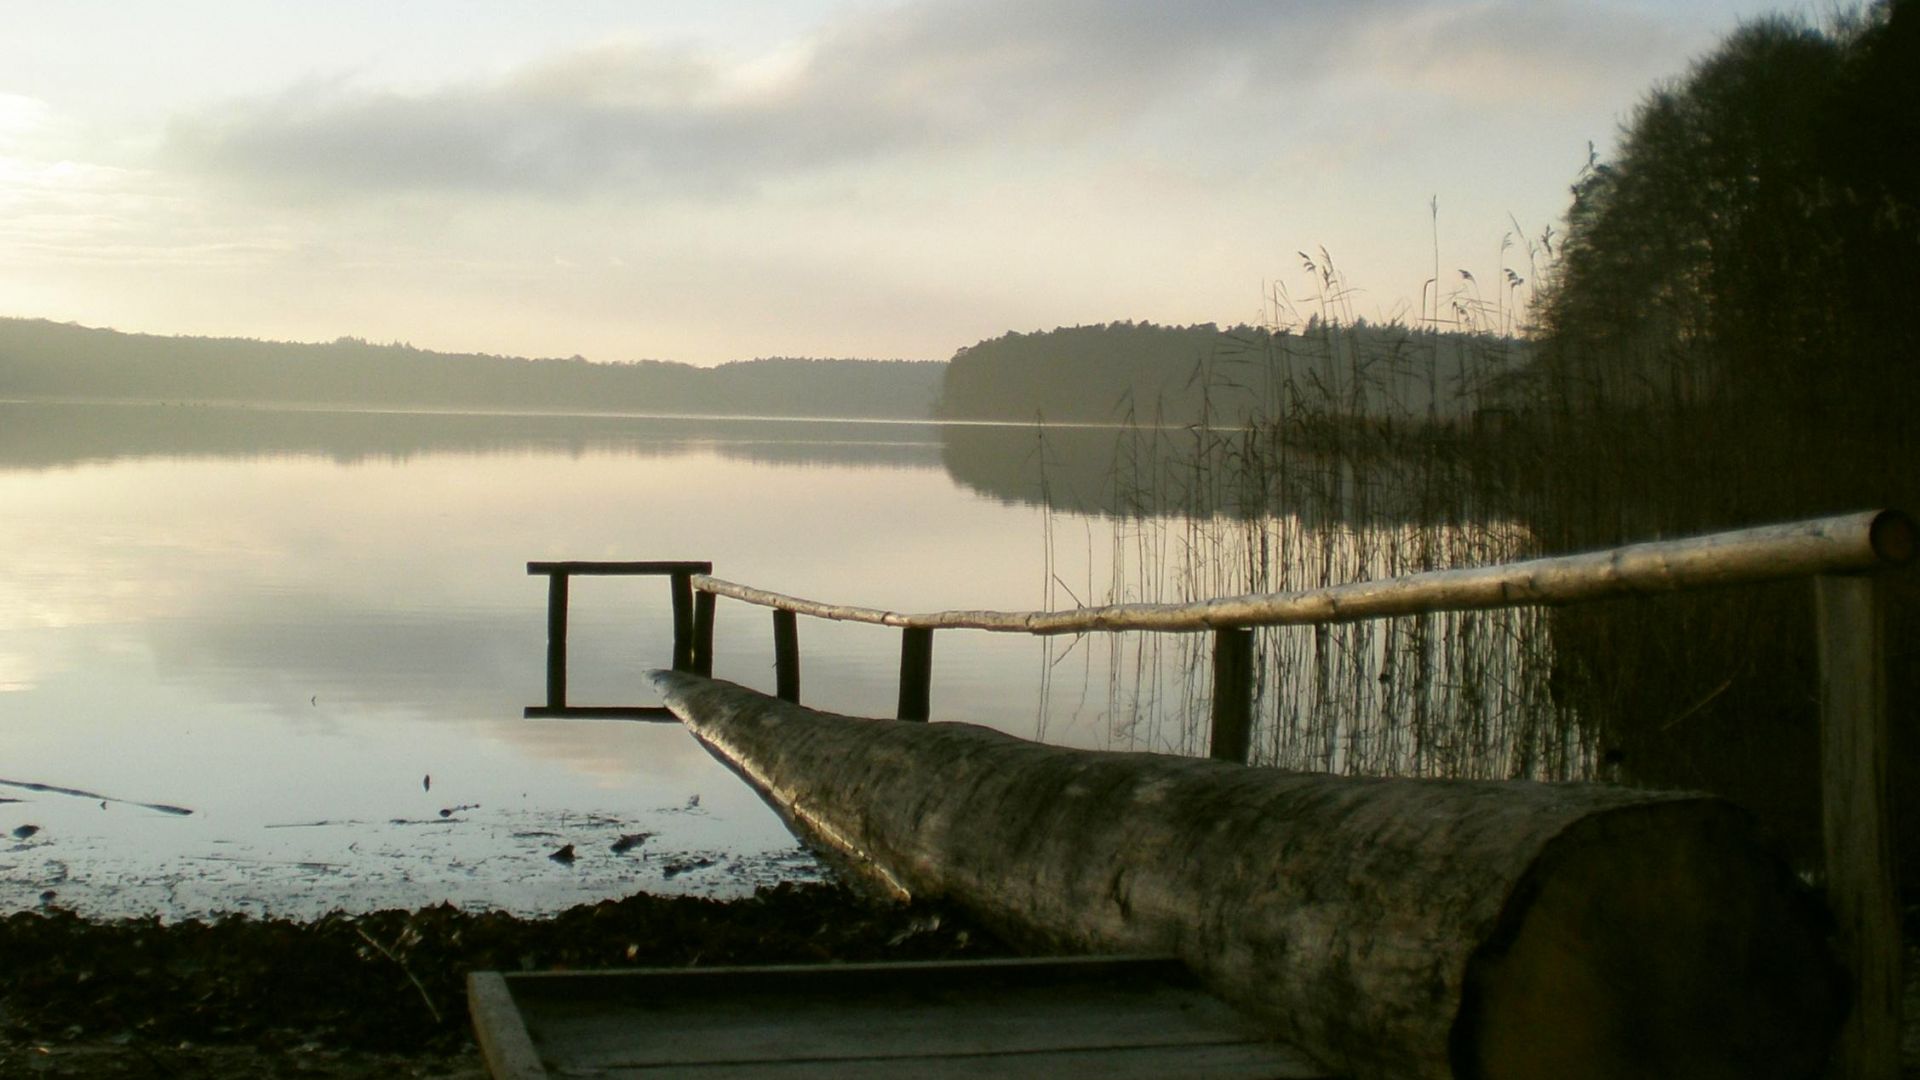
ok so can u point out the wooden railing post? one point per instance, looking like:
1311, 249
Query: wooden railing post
1855, 754
557, 640
916, 673
786, 655
680, 584
703, 633
1232, 736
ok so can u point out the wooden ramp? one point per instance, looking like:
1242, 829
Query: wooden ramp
1099, 1017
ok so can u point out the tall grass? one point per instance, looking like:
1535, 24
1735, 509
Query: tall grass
1353, 464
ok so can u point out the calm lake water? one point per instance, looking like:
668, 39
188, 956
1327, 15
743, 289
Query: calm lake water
315, 631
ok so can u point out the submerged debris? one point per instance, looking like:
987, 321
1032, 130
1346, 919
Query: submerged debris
629, 841
686, 866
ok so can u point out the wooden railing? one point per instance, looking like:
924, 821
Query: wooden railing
1840, 554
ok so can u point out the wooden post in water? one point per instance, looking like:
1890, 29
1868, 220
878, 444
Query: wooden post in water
916, 674
703, 633
680, 583
1855, 752
557, 640
786, 655
1232, 737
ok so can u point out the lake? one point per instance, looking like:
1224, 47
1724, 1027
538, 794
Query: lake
315, 630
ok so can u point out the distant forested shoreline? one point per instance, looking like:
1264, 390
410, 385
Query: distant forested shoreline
1178, 376
1121, 372
43, 360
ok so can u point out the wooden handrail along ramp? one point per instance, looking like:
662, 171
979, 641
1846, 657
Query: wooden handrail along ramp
1390, 928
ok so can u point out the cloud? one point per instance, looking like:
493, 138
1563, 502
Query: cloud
1528, 53
929, 76
21, 116
60, 203
923, 80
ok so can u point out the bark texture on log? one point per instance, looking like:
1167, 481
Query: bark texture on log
1392, 928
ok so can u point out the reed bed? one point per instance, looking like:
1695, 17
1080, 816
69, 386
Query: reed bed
1337, 456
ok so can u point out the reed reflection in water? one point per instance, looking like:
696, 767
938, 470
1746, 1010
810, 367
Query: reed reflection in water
1200, 514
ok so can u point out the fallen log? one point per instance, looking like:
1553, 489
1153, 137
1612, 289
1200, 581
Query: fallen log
1392, 928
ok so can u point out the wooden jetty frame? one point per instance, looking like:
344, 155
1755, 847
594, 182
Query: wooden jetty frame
692, 649
1842, 554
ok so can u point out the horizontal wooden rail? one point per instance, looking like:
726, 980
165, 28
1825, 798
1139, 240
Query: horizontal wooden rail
1849, 543
620, 569
598, 712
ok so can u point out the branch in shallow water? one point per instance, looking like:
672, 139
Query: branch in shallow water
79, 794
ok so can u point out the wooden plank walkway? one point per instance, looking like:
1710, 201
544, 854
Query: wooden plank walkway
1097, 1017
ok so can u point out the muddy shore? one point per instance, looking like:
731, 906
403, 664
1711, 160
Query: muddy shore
382, 994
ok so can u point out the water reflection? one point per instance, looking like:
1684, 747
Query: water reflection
52, 434
1076, 469
294, 617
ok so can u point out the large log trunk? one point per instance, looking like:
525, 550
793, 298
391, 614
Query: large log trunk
1393, 928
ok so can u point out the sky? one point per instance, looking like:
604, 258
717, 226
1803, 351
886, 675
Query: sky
724, 179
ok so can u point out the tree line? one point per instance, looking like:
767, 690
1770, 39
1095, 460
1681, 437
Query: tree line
46, 360
1727, 338
1174, 376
